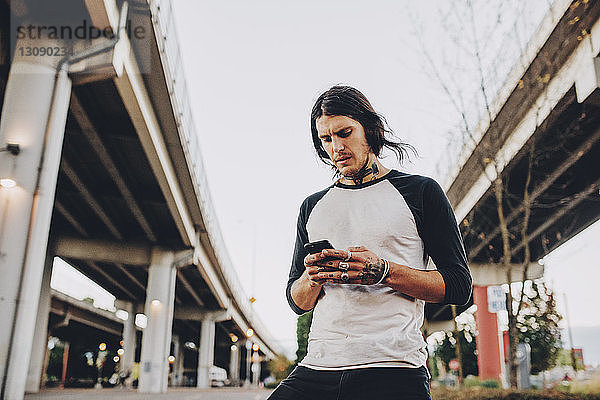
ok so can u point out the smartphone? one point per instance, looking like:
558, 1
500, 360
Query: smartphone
317, 247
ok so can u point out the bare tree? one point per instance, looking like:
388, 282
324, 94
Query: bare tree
477, 33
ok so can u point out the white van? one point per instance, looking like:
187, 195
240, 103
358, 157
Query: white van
217, 376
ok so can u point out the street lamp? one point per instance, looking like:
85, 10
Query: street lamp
8, 183
155, 303
14, 149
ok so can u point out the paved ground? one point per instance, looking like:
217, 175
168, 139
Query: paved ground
175, 393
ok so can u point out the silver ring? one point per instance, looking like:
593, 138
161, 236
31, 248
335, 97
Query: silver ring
348, 257
343, 266
344, 277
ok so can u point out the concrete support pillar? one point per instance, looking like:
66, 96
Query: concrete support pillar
156, 339
248, 362
488, 346
65, 365
34, 114
39, 349
255, 370
129, 339
234, 364
206, 352
178, 364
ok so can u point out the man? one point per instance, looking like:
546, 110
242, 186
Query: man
368, 294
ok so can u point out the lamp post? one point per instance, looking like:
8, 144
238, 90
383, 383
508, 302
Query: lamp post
100, 364
248, 362
573, 360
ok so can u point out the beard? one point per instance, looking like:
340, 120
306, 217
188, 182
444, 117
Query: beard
358, 175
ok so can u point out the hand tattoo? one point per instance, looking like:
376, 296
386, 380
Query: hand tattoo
372, 272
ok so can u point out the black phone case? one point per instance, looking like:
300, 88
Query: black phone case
316, 247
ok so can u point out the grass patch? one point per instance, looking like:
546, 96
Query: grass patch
481, 393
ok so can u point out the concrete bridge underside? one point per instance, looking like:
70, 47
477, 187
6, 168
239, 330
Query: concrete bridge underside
549, 109
109, 177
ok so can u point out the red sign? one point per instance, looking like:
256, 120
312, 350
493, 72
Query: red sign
453, 364
578, 356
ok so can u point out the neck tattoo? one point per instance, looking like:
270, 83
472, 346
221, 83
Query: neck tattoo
362, 173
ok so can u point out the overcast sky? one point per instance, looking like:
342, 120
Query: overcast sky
254, 70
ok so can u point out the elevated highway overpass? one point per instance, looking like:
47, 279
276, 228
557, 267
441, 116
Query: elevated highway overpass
101, 165
82, 327
108, 175
549, 106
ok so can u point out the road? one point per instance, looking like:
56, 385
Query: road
175, 393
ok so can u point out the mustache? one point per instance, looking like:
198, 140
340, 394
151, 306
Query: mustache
341, 156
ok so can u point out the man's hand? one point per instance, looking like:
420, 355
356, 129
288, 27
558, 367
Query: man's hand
312, 268
357, 265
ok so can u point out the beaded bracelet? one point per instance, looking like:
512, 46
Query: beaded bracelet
386, 271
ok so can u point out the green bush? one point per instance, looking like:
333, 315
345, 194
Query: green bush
490, 383
590, 386
471, 381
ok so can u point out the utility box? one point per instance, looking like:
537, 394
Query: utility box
524, 369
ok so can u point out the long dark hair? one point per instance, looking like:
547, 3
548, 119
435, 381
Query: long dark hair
350, 102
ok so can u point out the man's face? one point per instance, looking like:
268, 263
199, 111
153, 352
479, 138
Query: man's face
344, 141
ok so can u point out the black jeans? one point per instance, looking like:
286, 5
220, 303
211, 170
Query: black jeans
354, 384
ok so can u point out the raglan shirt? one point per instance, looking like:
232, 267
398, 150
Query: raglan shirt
402, 218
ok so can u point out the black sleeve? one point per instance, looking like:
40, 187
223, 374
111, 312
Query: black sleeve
444, 245
297, 268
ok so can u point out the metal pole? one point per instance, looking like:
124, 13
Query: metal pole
573, 360
458, 349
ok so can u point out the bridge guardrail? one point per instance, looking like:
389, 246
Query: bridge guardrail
162, 15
